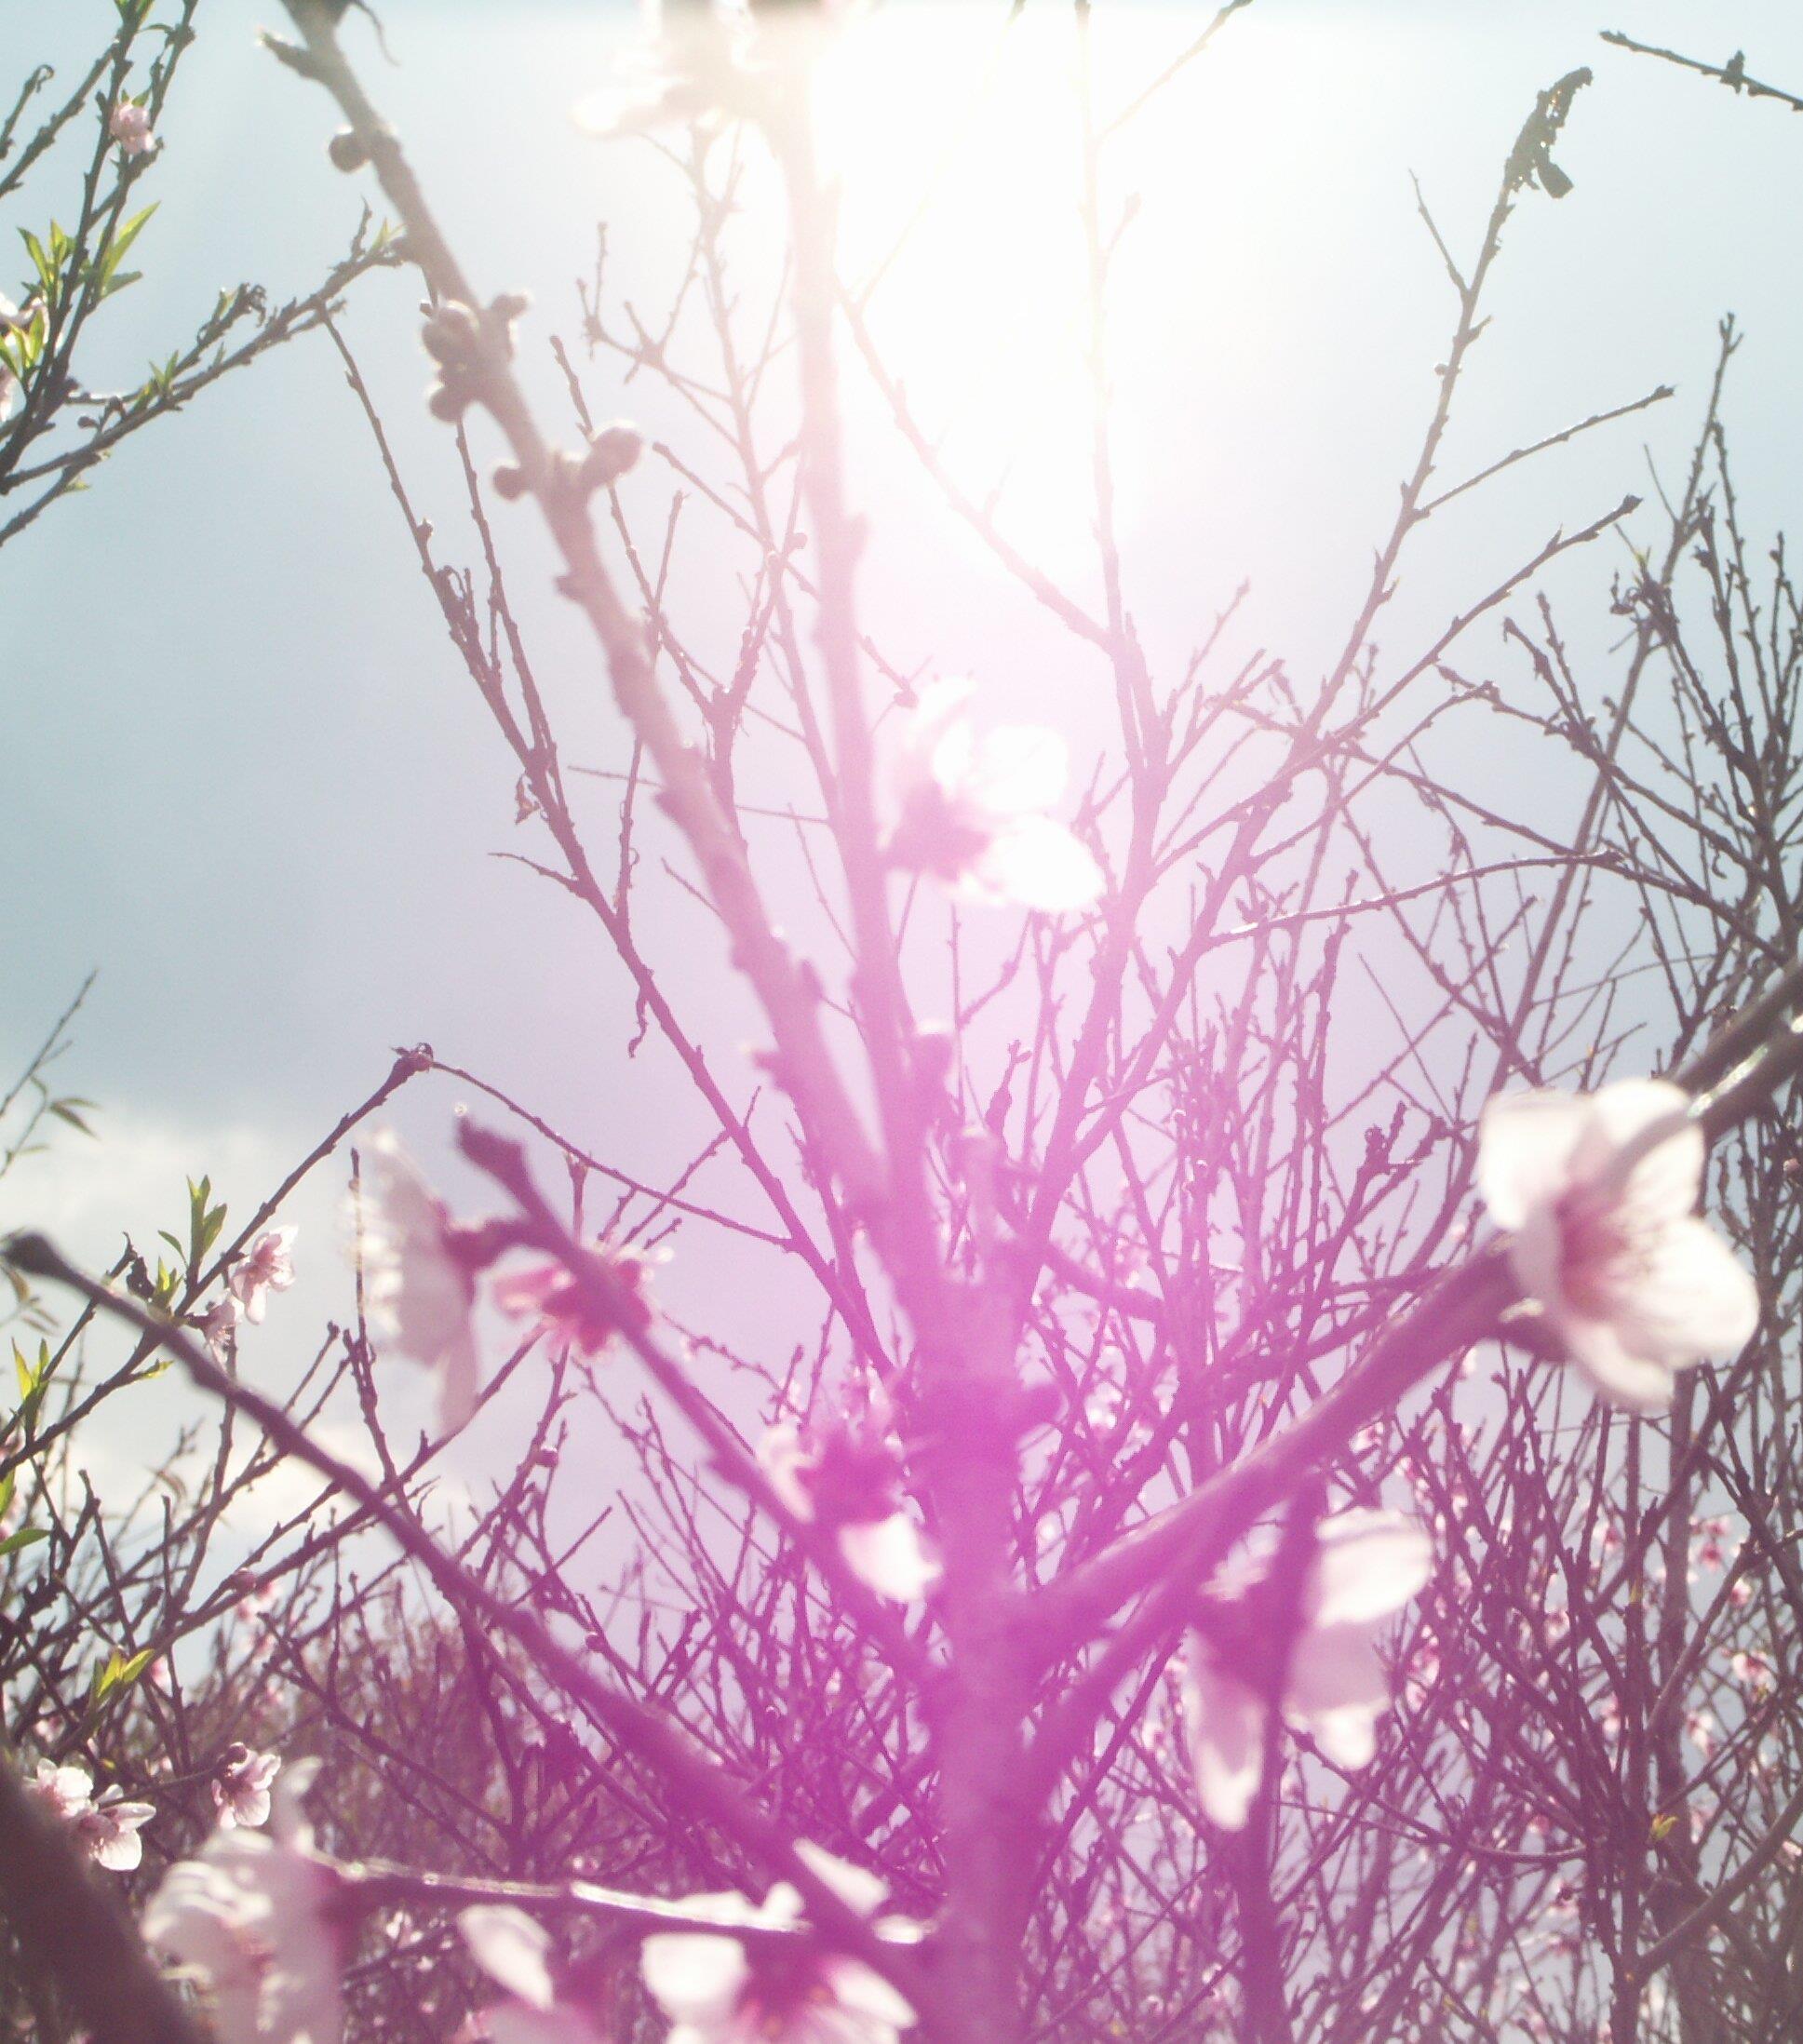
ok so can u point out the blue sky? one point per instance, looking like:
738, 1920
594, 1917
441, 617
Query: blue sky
244, 775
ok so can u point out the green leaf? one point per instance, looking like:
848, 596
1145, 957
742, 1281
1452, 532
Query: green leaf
31, 1379
46, 270
65, 1110
120, 1674
114, 254
27, 1536
6, 1485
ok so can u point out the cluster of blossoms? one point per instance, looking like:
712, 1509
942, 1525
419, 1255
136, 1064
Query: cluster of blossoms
848, 1483
265, 1922
266, 1265
106, 1825
1597, 1195
261, 1917
421, 1267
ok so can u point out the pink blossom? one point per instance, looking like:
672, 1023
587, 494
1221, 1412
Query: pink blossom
971, 811
105, 1825
421, 1291
1421, 1674
66, 1790
129, 124
1717, 1543
1597, 1192
265, 1267
564, 1316
9, 321
687, 68
1753, 1670
109, 1828
259, 1914
1702, 1729
1366, 1565
849, 1484
717, 1990
241, 1793
219, 1327
514, 1951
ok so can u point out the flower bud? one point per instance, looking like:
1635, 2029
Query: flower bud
614, 450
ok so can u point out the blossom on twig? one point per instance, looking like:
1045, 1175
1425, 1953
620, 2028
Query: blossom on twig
106, 1825
258, 1914
848, 1485
218, 1326
267, 1266
1598, 1193
568, 1314
717, 1990
418, 1283
1365, 1567
241, 1792
971, 811
128, 125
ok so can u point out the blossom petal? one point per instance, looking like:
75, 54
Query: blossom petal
1524, 1145
459, 1381
695, 1977
1366, 1564
863, 1991
856, 1887
512, 1949
1018, 769
786, 1463
1347, 1736
890, 1556
1636, 1383
1698, 1299
1333, 1666
1664, 1175
1226, 1724
1037, 864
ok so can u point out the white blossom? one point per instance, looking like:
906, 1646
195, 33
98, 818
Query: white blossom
848, 1486
1365, 1567
971, 810
241, 1795
717, 1990
258, 1914
1597, 1192
420, 1291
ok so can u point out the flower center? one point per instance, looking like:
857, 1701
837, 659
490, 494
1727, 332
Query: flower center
780, 1988
1603, 1253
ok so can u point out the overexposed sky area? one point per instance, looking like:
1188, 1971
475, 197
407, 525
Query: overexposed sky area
244, 775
